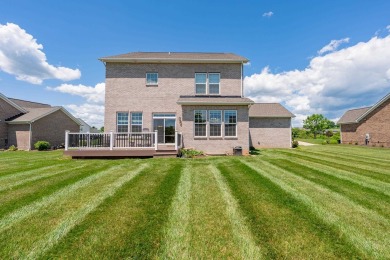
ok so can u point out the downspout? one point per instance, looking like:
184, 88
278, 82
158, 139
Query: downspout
242, 85
30, 138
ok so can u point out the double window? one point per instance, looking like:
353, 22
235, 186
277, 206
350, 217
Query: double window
151, 78
122, 121
207, 83
215, 124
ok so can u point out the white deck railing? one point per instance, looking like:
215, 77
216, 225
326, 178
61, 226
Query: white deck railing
114, 140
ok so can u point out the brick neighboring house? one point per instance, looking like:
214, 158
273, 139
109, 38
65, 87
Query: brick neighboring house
374, 120
22, 123
197, 94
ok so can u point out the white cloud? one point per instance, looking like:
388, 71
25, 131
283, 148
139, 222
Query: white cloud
268, 14
93, 114
22, 56
332, 46
91, 94
351, 77
388, 28
92, 111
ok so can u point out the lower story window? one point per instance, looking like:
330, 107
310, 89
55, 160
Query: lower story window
136, 122
215, 120
200, 119
122, 121
230, 122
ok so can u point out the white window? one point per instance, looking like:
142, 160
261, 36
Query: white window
151, 78
200, 121
136, 122
215, 121
213, 83
122, 121
200, 83
207, 83
230, 121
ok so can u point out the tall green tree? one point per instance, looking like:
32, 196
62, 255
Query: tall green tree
316, 124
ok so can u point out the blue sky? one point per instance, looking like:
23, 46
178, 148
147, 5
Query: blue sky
312, 56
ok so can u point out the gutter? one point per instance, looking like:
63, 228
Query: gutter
30, 137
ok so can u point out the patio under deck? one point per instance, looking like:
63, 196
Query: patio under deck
117, 154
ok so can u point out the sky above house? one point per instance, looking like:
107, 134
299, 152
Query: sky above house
311, 56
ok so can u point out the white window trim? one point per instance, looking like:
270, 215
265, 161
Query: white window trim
205, 123
117, 121
131, 120
222, 123
224, 130
146, 79
207, 84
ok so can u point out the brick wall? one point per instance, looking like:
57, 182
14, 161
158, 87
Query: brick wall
51, 128
126, 88
19, 135
6, 111
270, 132
377, 124
216, 145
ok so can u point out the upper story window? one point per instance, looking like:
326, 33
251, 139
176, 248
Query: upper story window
207, 83
151, 78
122, 122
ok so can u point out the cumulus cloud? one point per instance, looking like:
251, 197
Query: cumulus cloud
351, 77
22, 56
93, 114
91, 94
332, 46
268, 14
92, 111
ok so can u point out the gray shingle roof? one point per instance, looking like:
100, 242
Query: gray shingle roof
214, 100
351, 116
269, 110
34, 114
177, 57
28, 104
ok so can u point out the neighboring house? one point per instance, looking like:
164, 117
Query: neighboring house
86, 128
22, 123
200, 95
355, 124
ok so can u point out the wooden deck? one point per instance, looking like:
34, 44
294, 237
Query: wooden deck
164, 151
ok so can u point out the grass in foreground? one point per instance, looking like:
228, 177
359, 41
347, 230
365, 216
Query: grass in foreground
311, 202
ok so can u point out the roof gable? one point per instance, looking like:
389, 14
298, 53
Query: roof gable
10, 102
356, 115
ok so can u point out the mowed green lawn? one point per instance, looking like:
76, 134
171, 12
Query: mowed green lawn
319, 202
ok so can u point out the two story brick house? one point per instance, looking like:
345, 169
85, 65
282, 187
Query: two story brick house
200, 95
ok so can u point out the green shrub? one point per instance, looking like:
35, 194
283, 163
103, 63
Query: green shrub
12, 148
190, 153
295, 144
42, 145
333, 141
324, 142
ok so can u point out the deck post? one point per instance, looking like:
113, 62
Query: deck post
66, 139
176, 141
155, 140
111, 140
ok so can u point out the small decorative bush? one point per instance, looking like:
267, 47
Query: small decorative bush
333, 141
190, 153
295, 144
12, 148
324, 142
42, 145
